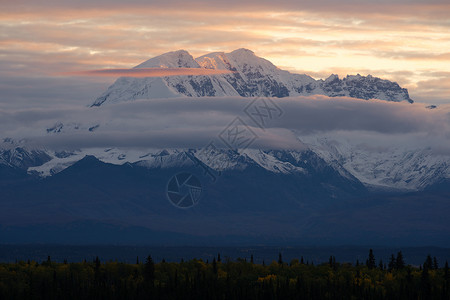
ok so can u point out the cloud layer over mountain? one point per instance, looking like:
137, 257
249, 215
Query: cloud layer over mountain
194, 122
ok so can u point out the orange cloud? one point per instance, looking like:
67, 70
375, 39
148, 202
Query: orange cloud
150, 72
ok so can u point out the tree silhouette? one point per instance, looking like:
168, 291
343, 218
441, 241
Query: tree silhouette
392, 263
435, 263
380, 265
371, 264
425, 281
149, 269
280, 258
429, 263
399, 262
214, 266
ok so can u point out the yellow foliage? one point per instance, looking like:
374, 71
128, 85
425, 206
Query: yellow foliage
292, 282
331, 275
368, 282
269, 277
221, 274
388, 277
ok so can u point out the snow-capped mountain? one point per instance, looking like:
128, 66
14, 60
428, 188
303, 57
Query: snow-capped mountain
251, 76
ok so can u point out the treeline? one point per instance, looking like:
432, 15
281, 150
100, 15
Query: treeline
225, 279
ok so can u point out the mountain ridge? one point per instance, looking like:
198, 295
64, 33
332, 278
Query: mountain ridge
396, 169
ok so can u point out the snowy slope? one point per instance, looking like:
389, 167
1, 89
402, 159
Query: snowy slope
392, 167
17, 154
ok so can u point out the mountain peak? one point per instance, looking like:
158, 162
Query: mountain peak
173, 59
331, 78
243, 51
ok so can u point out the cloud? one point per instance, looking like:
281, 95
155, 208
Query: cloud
350, 6
195, 122
439, 87
150, 72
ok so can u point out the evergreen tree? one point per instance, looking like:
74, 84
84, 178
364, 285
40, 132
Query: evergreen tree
409, 276
446, 288
399, 262
332, 262
425, 281
435, 263
302, 261
371, 264
429, 263
218, 257
280, 258
392, 263
446, 272
380, 265
214, 266
97, 270
149, 269
251, 259
97, 263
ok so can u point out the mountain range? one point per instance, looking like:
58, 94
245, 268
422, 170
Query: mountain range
331, 192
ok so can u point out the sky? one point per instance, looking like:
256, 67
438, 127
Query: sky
54, 56
41, 42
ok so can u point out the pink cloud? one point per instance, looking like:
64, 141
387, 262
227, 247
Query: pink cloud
150, 72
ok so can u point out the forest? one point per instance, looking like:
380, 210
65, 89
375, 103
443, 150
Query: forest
223, 278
